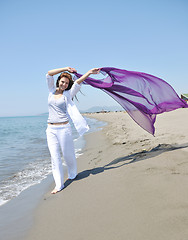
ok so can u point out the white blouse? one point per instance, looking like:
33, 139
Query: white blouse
72, 111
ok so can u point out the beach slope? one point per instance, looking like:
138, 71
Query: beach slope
130, 185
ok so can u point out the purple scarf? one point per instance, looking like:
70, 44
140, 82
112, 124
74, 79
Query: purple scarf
140, 94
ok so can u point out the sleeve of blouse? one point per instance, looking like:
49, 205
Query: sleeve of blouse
74, 89
50, 82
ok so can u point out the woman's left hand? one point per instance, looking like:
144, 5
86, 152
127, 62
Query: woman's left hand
94, 71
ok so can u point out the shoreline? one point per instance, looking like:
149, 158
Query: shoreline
127, 180
19, 211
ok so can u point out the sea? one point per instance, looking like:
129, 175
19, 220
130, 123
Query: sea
24, 155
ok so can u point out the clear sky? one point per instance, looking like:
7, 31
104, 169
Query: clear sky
138, 35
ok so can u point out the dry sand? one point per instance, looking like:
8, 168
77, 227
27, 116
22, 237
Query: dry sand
130, 185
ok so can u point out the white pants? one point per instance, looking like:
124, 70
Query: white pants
60, 137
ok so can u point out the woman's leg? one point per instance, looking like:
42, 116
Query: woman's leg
67, 147
57, 168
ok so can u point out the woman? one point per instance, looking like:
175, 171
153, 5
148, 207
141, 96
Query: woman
61, 108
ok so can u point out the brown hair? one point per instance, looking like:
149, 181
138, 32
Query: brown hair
66, 75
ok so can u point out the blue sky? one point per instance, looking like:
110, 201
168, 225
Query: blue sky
138, 35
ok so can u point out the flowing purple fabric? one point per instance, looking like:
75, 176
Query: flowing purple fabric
140, 94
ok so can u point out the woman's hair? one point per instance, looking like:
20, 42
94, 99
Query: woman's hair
67, 75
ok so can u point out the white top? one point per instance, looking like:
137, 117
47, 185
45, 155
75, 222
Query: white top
62, 109
58, 107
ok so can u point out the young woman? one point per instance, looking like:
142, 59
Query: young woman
61, 108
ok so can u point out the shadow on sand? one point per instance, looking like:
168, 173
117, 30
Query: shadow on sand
139, 156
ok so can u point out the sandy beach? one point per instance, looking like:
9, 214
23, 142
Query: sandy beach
130, 185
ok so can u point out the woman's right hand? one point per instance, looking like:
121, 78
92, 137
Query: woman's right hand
71, 70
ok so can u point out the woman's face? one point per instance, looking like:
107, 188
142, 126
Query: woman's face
63, 83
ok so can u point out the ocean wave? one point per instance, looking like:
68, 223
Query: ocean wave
33, 174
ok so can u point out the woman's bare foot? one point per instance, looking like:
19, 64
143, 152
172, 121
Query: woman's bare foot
54, 191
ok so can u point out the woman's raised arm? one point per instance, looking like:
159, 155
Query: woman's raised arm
59, 70
86, 75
